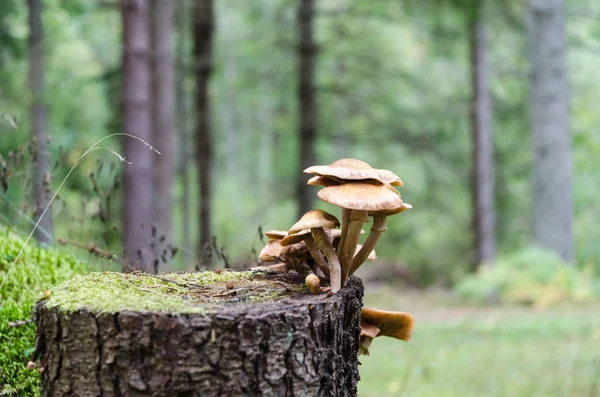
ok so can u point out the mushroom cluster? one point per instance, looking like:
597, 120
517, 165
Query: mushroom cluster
316, 248
313, 245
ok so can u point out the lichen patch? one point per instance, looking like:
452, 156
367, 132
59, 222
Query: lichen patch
110, 292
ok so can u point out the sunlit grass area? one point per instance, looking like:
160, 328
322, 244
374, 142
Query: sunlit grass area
464, 351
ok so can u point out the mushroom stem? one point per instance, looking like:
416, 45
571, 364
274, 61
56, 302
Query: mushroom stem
316, 253
376, 231
345, 222
335, 274
357, 219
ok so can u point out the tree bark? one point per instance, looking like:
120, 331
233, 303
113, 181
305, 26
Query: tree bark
183, 119
203, 36
302, 345
137, 176
552, 169
482, 186
163, 101
307, 117
41, 177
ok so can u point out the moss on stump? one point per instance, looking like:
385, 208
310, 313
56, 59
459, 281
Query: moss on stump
198, 334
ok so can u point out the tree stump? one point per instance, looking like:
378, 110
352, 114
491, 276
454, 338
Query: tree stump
232, 334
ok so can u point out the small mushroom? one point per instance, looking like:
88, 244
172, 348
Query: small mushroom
293, 254
310, 229
356, 200
314, 284
379, 226
397, 325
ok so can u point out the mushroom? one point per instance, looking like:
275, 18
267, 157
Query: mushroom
377, 229
310, 229
314, 284
356, 200
397, 325
354, 170
293, 254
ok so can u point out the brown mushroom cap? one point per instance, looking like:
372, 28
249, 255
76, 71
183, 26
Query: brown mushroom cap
397, 325
271, 251
402, 208
276, 234
372, 256
294, 238
362, 196
314, 219
368, 329
353, 169
323, 181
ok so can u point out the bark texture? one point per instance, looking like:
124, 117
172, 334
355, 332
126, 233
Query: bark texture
482, 186
203, 37
302, 346
137, 176
307, 116
163, 100
552, 169
41, 177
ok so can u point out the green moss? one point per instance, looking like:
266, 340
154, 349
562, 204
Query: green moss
172, 292
37, 270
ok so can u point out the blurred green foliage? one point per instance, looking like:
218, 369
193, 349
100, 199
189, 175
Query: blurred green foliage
530, 276
393, 86
36, 270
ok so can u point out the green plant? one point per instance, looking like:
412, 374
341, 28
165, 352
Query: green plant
530, 276
37, 270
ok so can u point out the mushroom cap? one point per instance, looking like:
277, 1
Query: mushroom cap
314, 219
368, 329
335, 234
294, 238
323, 181
276, 234
352, 170
362, 196
402, 208
313, 282
274, 250
372, 255
271, 251
397, 325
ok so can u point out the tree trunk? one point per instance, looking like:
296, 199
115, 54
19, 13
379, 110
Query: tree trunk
300, 345
163, 101
137, 176
182, 126
203, 36
483, 146
307, 117
41, 177
552, 170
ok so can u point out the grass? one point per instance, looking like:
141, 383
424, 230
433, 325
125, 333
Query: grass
483, 351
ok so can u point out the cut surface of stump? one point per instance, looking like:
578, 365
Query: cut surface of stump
198, 334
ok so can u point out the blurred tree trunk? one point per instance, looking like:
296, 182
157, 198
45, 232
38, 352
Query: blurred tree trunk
552, 169
203, 35
137, 176
182, 125
482, 185
41, 174
163, 106
307, 122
